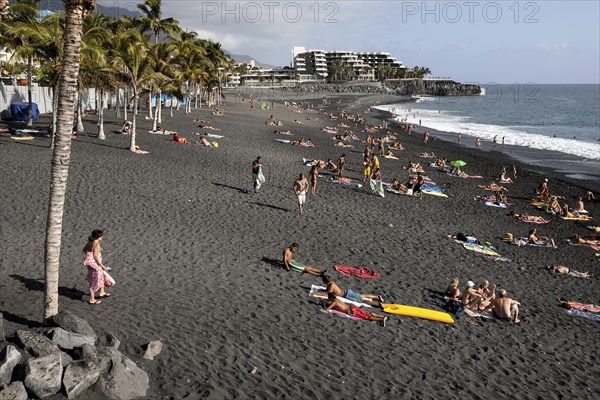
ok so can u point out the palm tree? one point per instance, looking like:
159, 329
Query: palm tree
67, 86
151, 20
20, 33
130, 55
162, 55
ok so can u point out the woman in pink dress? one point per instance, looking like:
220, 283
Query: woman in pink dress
93, 260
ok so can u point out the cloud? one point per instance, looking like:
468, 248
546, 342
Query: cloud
553, 49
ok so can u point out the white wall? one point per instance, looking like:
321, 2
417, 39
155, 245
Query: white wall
40, 95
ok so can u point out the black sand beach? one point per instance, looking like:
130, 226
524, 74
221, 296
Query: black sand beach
195, 261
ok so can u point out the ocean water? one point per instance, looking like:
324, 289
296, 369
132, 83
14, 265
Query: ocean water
561, 118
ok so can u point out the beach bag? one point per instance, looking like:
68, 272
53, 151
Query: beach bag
108, 280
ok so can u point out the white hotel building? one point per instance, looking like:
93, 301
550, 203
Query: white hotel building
313, 64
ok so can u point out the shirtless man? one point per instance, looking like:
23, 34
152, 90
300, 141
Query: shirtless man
504, 308
291, 265
313, 180
332, 287
567, 271
301, 188
341, 164
332, 303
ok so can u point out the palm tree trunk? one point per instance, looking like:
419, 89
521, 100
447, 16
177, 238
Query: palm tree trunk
80, 128
150, 115
54, 114
159, 106
101, 135
125, 103
155, 119
67, 86
171, 107
29, 97
133, 118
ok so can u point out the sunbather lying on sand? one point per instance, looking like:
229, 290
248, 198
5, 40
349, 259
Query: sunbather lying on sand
397, 145
565, 213
208, 127
512, 239
427, 155
302, 142
200, 120
576, 239
342, 144
528, 218
179, 139
289, 265
283, 132
504, 308
464, 238
493, 186
219, 113
205, 142
566, 271
333, 287
332, 303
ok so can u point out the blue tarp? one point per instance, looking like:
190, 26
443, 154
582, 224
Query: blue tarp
20, 111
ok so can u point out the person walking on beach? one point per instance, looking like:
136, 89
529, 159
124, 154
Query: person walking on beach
426, 136
333, 303
459, 137
514, 169
494, 142
257, 175
291, 265
314, 173
300, 188
478, 143
504, 308
341, 163
93, 261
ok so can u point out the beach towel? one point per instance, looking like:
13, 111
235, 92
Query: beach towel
580, 306
434, 193
497, 258
477, 248
580, 218
22, 137
397, 192
492, 204
359, 272
283, 141
377, 187
314, 292
138, 151
431, 187
392, 157
584, 314
478, 314
593, 228
347, 182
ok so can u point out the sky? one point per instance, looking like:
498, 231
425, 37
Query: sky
471, 41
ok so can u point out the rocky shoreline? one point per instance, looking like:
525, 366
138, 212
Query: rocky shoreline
411, 87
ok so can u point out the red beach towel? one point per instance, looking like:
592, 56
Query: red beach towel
358, 272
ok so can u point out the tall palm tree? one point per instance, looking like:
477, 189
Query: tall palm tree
162, 55
20, 33
67, 86
130, 55
152, 20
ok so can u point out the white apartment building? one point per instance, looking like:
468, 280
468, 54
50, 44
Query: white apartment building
316, 64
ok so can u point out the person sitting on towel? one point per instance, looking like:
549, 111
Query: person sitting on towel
332, 303
565, 213
501, 199
579, 207
471, 297
333, 287
541, 240
287, 258
504, 308
452, 290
